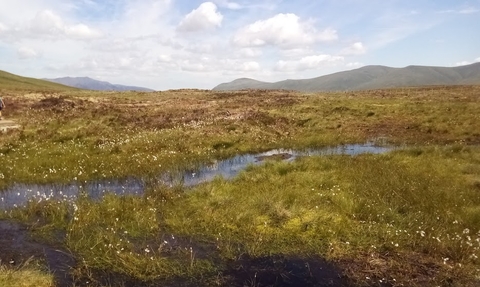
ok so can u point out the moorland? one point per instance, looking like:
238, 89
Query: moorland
407, 217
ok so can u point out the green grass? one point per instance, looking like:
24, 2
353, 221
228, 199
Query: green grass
10, 82
341, 207
410, 217
29, 274
397, 216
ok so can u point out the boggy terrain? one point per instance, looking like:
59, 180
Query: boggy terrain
408, 217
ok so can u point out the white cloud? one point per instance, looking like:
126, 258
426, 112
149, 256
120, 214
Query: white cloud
463, 63
250, 66
297, 52
228, 4
114, 45
200, 48
238, 65
3, 28
308, 63
47, 23
143, 18
164, 58
356, 48
354, 64
283, 30
26, 53
81, 31
202, 18
87, 64
250, 52
193, 67
469, 10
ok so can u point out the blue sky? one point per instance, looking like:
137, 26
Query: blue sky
171, 44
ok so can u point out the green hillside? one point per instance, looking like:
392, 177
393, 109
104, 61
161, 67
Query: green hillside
13, 82
370, 78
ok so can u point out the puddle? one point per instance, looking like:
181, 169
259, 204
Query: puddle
19, 195
16, 247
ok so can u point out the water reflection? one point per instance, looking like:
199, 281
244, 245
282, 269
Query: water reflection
21, 194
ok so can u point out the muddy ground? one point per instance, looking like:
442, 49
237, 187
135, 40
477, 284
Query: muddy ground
17, 246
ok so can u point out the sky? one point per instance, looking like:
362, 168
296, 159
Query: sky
173, 44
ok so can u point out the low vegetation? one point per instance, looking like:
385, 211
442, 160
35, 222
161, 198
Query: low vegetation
29, 274
410, 217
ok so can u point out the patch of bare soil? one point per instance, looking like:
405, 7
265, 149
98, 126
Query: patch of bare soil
6, 125
285, 271
16, 247
403, 269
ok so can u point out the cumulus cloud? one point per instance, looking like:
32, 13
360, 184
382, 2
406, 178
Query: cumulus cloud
250, 53
463, 63
353, 64
250, 66
164, 58
26, 53
356, 48
214, 64
190, 66
308, 63
283, 30
143, 18
3, 28
228, 4
297, 52
47, 23
81, 31
204, 17
114, 45
238, 65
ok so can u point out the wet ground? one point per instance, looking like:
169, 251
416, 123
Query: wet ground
285, 271
20, 194
16, 247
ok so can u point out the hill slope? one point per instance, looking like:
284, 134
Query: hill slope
370, 77
10, 81
92, 84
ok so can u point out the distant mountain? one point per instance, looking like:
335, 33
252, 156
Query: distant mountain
369, 77
10, 81
91, 84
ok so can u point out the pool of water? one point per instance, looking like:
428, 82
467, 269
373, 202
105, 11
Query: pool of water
20, 194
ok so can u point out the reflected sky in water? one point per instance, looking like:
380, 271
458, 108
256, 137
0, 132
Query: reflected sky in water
20, 194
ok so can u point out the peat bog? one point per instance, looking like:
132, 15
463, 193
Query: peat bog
202, 188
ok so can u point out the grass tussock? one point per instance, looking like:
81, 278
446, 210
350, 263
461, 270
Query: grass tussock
403, 210
29, 274
124, 235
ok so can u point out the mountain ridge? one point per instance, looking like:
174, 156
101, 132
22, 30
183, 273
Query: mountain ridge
92, 84
368, 78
